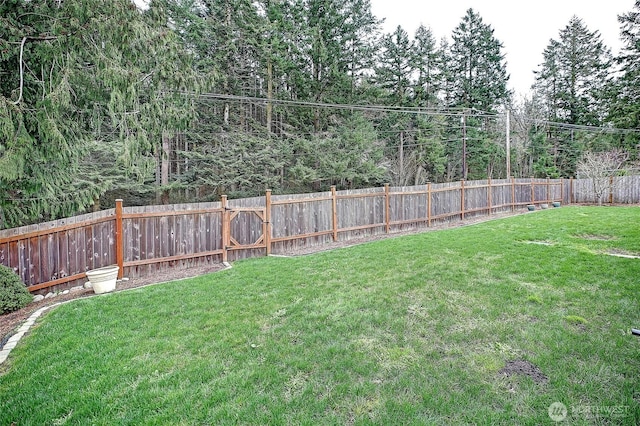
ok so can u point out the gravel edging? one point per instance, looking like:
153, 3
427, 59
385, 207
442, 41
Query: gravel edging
13, 340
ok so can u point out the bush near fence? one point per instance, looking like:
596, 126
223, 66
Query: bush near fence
145, 240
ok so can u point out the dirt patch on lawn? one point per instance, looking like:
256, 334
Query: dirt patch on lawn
595, 237
524, 368
622, 253
539, 243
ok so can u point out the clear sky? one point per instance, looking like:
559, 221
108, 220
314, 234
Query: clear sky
524, 27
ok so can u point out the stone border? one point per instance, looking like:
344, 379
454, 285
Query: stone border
26, 326
13, 340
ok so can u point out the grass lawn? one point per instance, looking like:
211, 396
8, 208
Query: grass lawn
411, 330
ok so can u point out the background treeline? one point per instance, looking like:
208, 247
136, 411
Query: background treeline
186, 100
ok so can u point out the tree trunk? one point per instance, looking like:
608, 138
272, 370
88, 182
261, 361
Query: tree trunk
269, 95
226, 113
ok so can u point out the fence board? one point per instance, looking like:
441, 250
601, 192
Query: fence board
80, 245
408, 207
4, 254
32, 273
71, 250
360, 212
63, 254
176, 235
316, 230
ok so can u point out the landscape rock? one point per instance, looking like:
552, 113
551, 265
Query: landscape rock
38, 297
76, 289
50, 295
65, 292
88, 285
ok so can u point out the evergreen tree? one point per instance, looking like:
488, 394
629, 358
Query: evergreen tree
395, 68
625, 103
234, 27
572, 81
478, 82
585, 64
351, 158
322, 68
394, 77
430, 152
90, 74
362, 33
478, 65
426, 62
332, 50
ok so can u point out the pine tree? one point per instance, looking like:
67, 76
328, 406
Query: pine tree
625, 103
430, 152
572, 81
585, 63
361, 37
395, 69
426, 62
478, 82
478, 64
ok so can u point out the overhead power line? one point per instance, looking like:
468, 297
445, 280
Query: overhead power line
449, 112
569, 126
432, 111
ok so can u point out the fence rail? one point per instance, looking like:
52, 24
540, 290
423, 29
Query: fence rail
145, 240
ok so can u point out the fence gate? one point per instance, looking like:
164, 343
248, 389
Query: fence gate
246, 228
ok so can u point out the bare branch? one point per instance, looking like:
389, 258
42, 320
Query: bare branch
601, 168
21, 70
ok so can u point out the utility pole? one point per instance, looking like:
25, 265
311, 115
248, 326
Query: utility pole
463, 121
401, 157
508, 144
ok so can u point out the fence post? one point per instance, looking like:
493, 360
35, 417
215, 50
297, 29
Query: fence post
548, 190
489, 195
513, 193
562, 190
267, 220
610, 189
462, 199
334, 211
387, 208
571, 190
119, 239
226, 228
429, 204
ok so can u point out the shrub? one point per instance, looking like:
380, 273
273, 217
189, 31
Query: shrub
13, 294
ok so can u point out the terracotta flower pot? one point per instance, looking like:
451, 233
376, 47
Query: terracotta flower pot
103, 280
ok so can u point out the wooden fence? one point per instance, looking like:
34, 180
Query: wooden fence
145, 240
621, 190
